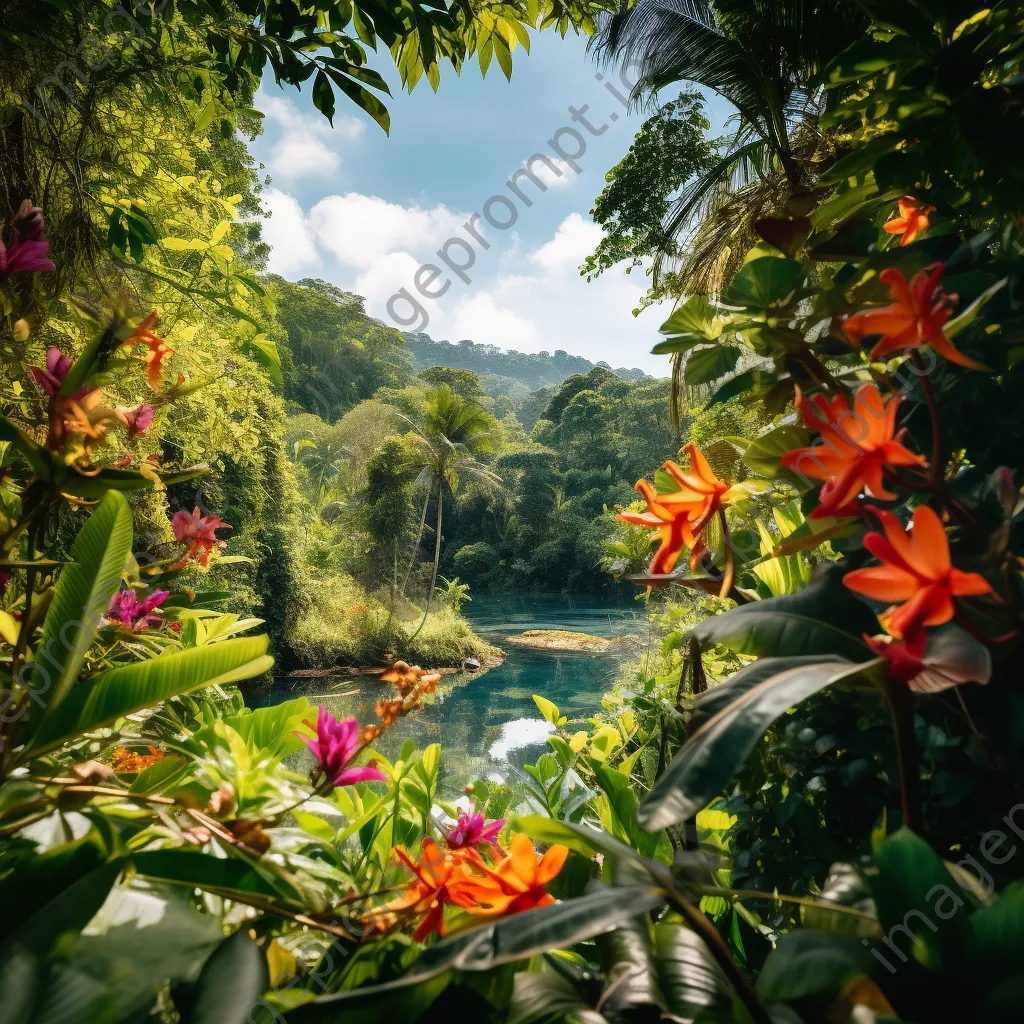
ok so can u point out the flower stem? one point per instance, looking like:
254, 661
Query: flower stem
729, 566
901, 706
938, 460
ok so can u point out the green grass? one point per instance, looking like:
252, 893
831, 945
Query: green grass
344, 625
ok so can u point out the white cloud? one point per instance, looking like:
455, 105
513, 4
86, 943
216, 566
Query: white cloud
360, 230
306, 146
293, 247
573, 241
480, 318
555, 174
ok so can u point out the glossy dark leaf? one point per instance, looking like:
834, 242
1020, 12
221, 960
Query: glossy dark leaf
713, 754
231, 982
764, 283
706, 365
798, 624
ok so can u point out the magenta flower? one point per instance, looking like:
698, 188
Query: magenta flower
473, 830
51, 378
128, 611
28, 247
335, 745
138, 421
200, 532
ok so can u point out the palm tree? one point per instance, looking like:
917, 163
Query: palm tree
453, 432
765, 57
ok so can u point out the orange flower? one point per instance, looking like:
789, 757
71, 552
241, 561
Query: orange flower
515, 884
680, 516
159, 351
429, 892
911, 220
915, 318
125, 760
856, 446
411, 677
915, 569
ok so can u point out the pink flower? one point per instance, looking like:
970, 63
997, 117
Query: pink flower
138, 421
57, 366
335, 745
28, 247
473, 830
127, 610
936, 661
199, 531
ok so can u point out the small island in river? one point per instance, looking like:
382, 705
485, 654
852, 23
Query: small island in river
564, 640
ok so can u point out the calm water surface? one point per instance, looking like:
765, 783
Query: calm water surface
488, 721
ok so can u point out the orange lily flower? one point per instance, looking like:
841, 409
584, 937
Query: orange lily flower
515, 884
911, 220
680, 516
429, 892
915, 318
159, 351
916, 569
856, 447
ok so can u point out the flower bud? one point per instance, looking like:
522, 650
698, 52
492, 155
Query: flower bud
28, 222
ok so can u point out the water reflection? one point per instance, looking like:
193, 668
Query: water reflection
488, 721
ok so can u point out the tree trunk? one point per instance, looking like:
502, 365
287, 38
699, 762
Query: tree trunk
437, 558
416, 546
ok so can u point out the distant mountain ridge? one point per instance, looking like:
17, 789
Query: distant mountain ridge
532, 369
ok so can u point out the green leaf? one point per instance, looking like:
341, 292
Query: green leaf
121, 691
693, 323
867, 57
504, 941
807, 963
953, 327
714, 753
623, 803
230, 983
692, 982
225, 875
323, 96
706, 365
997, 935
37, 456
807, 622
549, 711
764, 283
921, 908
750, 383
84, 589
763, 453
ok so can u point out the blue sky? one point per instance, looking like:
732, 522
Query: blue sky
366, 211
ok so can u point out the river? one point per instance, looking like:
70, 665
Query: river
487, 721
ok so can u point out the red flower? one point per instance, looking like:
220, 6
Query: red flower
52, 376
932, 662
911, 221
915, 318
200, 532
915, 570
428, 894
856, 447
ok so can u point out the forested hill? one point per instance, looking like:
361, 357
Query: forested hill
534, 369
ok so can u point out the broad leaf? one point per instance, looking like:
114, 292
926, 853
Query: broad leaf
501, 942
764, 283
706, 365
231, 982
122, 691
804, 623
82, 596
714, 753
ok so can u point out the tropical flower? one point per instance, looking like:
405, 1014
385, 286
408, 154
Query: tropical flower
138, 421
911, 220
125, 760
473, 830
932, 662
411, 677
335, 745
856, 447
28, 247
82, 413
428, 893
914, 318
127, 610
51, 377
158, 350
916, 570
680, 516
200, 532
515, 884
